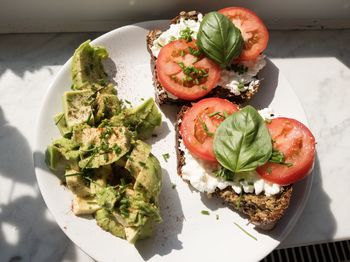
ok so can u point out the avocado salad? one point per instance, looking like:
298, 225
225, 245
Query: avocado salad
102, 156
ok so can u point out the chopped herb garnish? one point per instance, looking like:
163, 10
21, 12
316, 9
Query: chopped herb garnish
269, 170
143, 164
217, 217
160, 45
205, 212
278, 158
186, 34
173, 186
142, 99
241, 86
128, 102
205, 127
195, 52
166, 156
245, 231
217, 113
117, 149
59, 119
89, 117
75, 174
204, 87
182, 53
224, 174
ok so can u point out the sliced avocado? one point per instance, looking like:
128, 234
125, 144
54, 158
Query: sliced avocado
150, 177
100, 178
107, 106
138, 158
61, 123
77, 107
150, 122
109, 223
77, 133
103, 146
87, 68
84, 206
76, 183
52, 157
67, 147
147, 229
132, 234
142, 119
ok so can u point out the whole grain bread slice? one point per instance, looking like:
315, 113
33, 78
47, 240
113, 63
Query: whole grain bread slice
163, 98
261, 210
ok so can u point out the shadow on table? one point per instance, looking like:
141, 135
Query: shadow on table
31, 52
26, 231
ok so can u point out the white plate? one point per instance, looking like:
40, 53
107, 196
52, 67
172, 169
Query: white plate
185, 233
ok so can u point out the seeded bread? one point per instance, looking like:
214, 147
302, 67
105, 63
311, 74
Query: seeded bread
263, 211
162, 97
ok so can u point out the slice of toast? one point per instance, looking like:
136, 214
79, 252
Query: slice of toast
261, 210
162, 96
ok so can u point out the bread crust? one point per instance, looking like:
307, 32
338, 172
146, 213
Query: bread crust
261, 210
160, 94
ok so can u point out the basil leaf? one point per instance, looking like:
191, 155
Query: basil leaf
219, 39
242, 141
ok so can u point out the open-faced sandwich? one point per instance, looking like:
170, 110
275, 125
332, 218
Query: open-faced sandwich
249, 159
101, 156
218, 54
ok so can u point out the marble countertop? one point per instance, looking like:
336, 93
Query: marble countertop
317, 64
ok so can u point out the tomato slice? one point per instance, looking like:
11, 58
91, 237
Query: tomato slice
253, 29
200, 123
297, 143
183, 74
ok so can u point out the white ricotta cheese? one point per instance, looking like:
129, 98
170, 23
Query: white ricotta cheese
201, 176
174, 33
237, 82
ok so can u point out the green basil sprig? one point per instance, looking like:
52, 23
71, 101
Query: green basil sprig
242, 141
219, 39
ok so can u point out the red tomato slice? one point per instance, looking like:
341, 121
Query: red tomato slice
253, 29
297, 143
200, 123
183, 83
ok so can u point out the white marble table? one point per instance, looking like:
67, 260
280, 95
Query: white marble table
317, 64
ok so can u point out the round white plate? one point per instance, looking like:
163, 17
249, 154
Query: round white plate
185, 233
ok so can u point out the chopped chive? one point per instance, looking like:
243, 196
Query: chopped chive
205, 212
217, 217
269, 170
166, 156
126, 101
75, 174
89, 117
204, 87
245, 231
173, 186
216, 113
59, 119
205, 127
